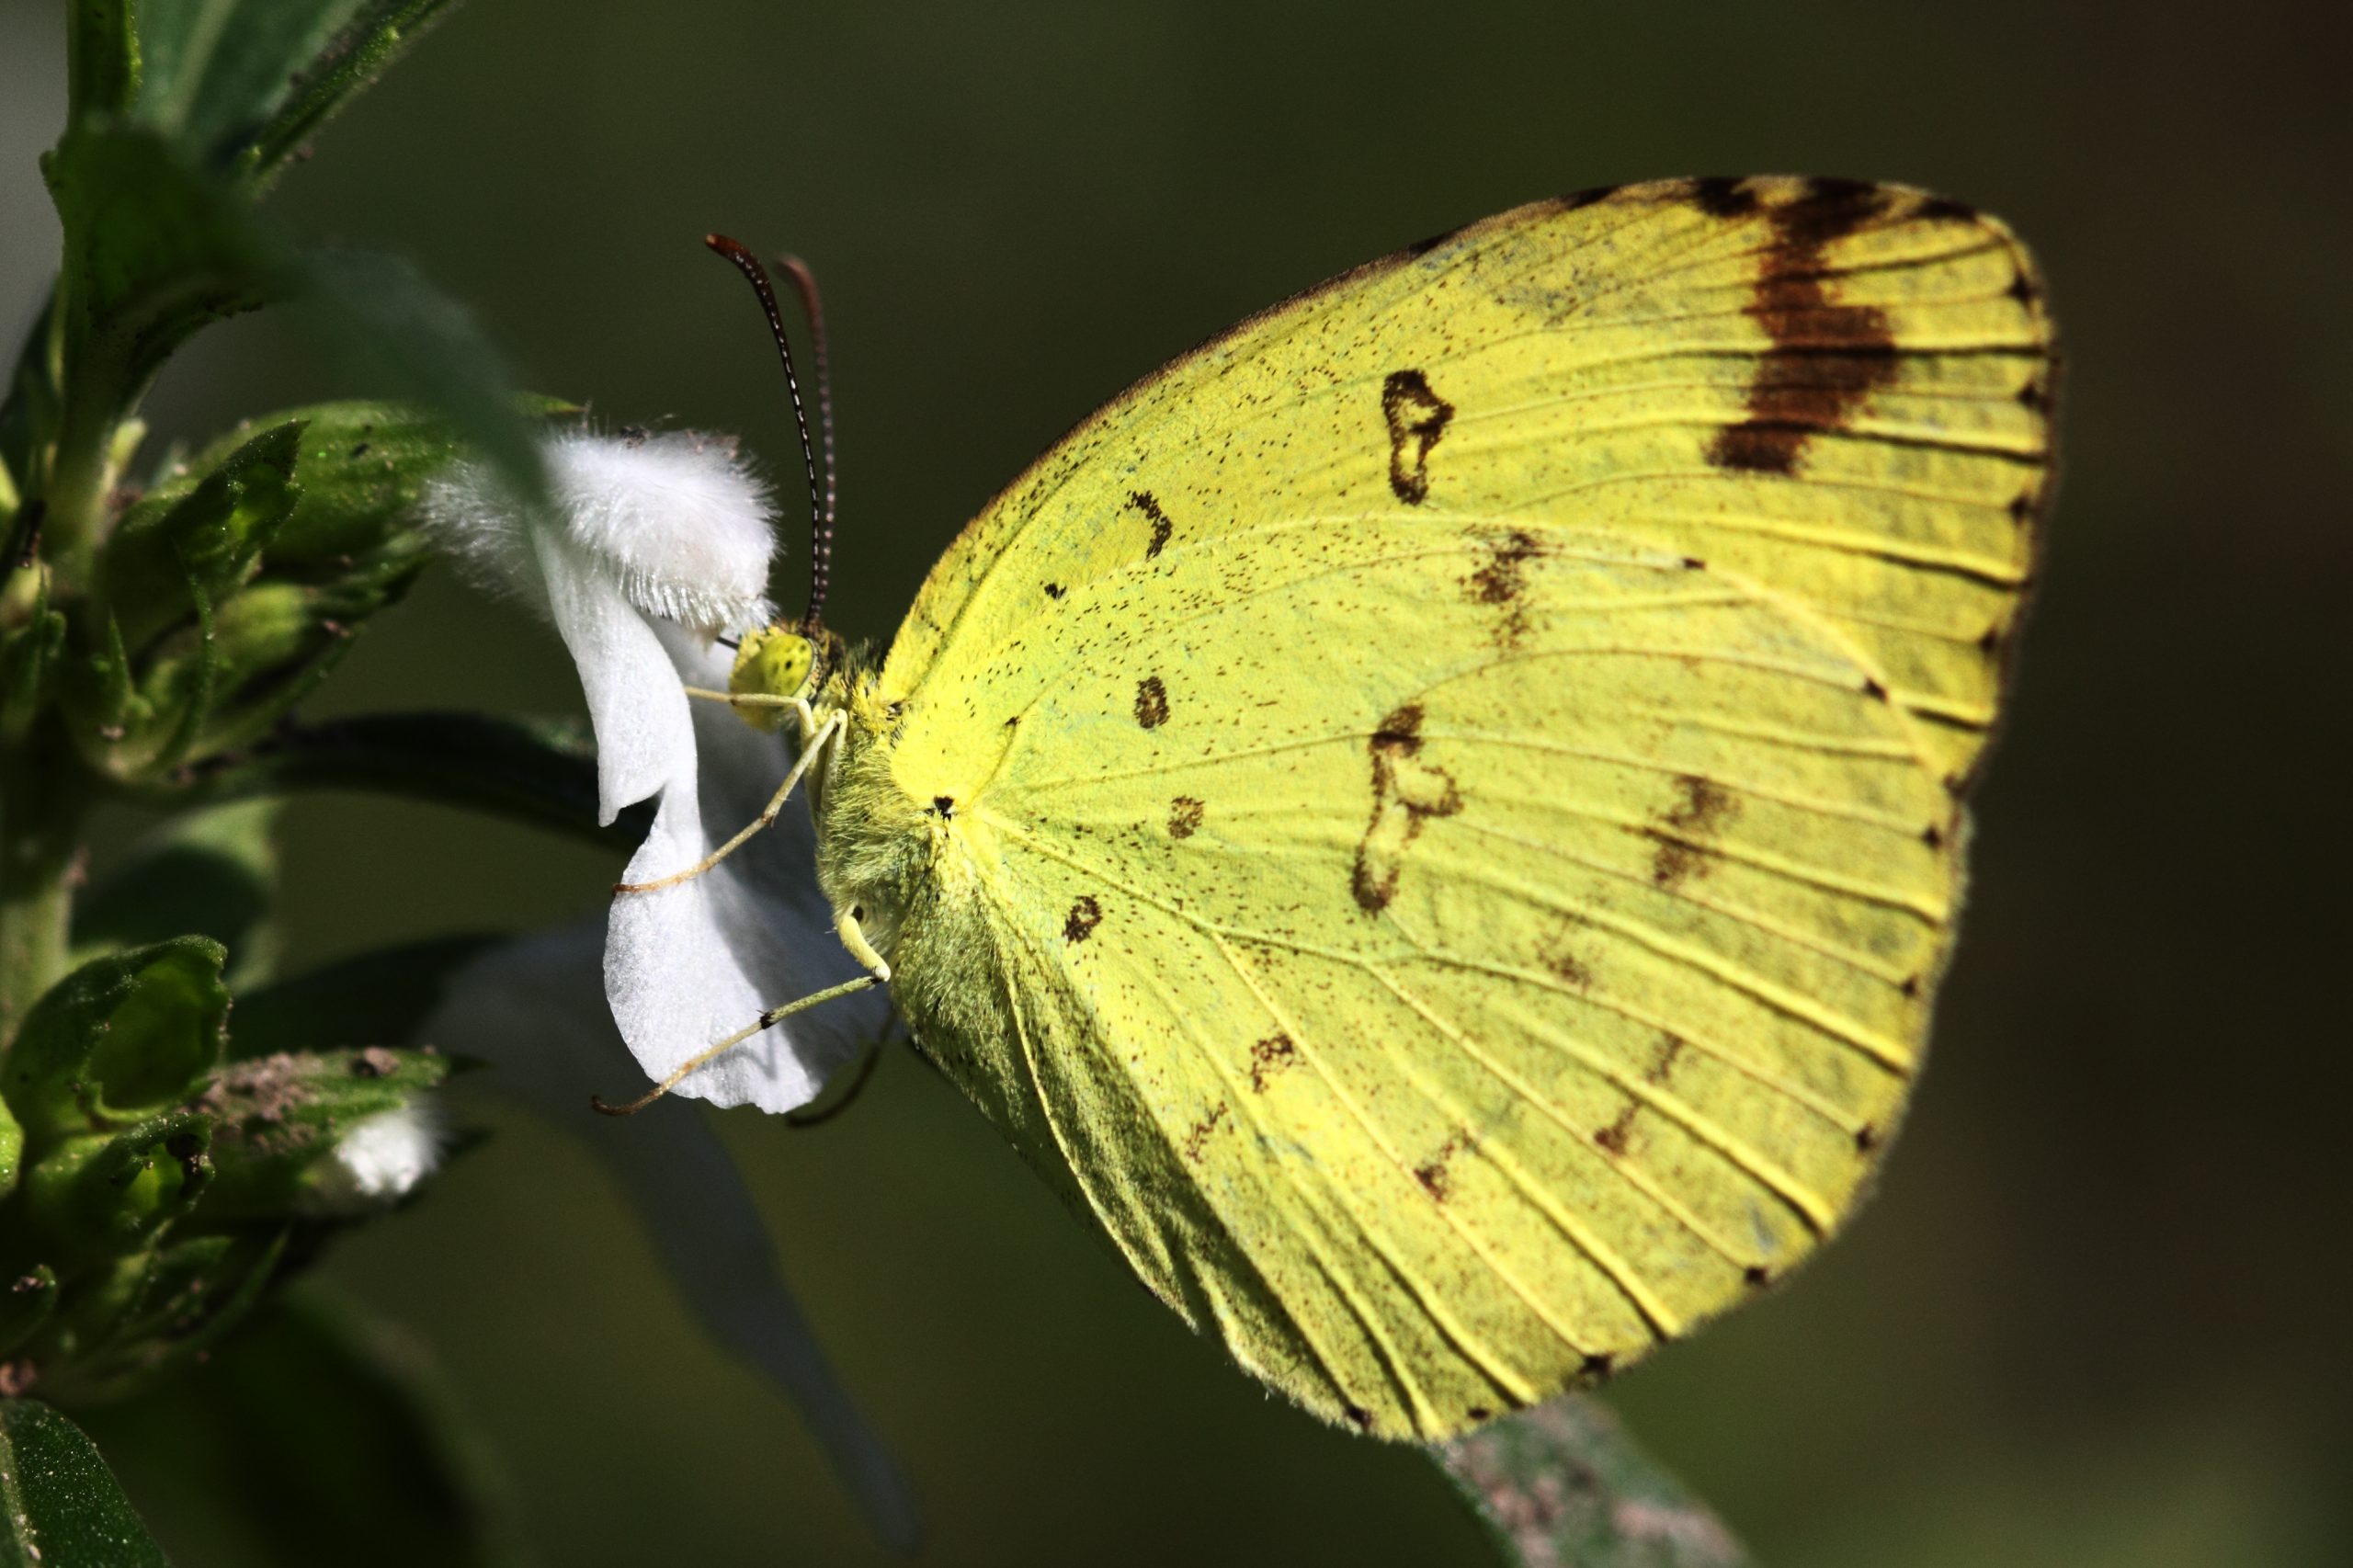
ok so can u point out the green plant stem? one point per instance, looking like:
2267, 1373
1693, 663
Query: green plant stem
41, 821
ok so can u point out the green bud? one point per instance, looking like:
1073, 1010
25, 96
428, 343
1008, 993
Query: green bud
117, 1041
329, 1133
97, 1195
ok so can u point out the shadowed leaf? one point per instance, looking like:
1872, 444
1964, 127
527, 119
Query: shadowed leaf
543, 773
1563, 1486
311, 1438
211, 872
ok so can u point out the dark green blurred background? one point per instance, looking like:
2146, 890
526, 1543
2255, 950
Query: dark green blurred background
2095, 1316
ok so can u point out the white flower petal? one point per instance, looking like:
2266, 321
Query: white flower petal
645, 739
531, 1008
693, 963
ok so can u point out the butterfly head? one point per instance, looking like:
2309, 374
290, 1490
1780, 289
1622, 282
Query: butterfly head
774, 662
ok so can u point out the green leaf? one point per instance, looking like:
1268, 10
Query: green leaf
163, 1310
541, 772
58, 1503
98, 1197
241, 83
279, 1117
384, 994
1562, 1484
405, 340
211, 872
154, 249
201, 534
309, 1428
119, 1039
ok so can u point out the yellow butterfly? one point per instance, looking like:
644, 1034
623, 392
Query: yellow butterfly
1435, 820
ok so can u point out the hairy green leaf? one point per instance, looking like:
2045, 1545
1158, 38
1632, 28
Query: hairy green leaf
1563, 1486
58, 1503
155, 248
277, 1116
119, 1039
203, 534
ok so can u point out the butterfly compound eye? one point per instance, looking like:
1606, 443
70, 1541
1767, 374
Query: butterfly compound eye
773, 662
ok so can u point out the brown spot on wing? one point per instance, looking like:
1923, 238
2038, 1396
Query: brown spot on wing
1417, 417
1613, 1137
1269, 1057
1084, 915
1503, 579
1825, 357
1405, 793
1197, 1136
1702, 813
1184, 816
1435, 1174
1670, 1046
1143, 501
1152, 702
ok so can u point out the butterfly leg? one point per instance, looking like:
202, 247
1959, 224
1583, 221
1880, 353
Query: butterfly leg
718, 1049
810, 752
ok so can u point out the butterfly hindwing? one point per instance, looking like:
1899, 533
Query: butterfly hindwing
1455, 784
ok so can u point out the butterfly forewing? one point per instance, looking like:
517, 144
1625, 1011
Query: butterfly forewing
1455, 781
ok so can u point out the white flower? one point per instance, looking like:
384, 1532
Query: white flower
531, 1008
648, 555
380, 1157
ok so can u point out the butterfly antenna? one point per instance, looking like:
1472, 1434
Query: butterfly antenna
821, 542
821, 510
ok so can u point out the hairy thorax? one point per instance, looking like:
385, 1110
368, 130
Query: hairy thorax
900, 858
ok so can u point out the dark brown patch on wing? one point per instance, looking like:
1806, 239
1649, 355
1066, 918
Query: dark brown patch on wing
1502, 580
1706, 807
1613, 1137
1143, 501
1197, 1136
1588, 196
1405, 793
1056, 590
1152, 702
1719, 196
1434, 1174
1825, 357
1184, 816
1084, 915
1269, 1057
1417, 417
1670, 1046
